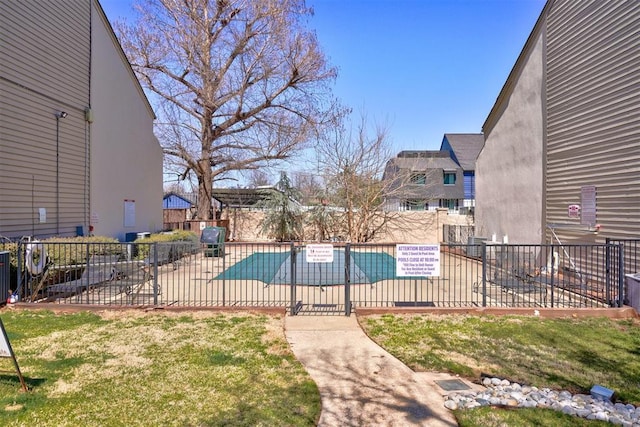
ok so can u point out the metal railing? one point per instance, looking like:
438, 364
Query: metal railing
452, 233
630, 252
283, 275
629, 263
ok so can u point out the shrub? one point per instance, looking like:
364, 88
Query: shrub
74, 250
188, 237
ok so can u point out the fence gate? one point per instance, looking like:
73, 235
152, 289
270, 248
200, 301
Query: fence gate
319, 282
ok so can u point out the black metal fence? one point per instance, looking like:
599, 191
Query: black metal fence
630, 253
339, 280
628, 264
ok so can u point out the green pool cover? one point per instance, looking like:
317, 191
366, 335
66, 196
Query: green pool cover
276, 268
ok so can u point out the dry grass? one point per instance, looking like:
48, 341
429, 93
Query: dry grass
135, 368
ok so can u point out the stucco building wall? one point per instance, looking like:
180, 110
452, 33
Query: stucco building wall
509, 169
409, 227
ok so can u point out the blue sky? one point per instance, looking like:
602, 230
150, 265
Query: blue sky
421, 67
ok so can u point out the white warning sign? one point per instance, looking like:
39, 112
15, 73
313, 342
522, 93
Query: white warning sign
319, 252
418, 260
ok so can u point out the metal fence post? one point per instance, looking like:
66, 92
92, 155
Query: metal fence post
484, 274
553, 273
224, 281
155, 271
347, 279
620, 274
607, 266
293, 278
155, 274
87, 259
20, 272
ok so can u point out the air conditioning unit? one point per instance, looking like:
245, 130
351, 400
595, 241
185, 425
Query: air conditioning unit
4, 274
474, 246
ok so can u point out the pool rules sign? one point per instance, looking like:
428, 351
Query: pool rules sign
417, 260
7, 351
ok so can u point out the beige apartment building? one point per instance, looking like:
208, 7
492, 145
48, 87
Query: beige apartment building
77, 149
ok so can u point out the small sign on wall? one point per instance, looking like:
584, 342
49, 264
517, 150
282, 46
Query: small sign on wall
574, 211
129, 213
319, 252
588, 214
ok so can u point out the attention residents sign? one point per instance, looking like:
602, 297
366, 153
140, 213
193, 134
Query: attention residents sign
418, 260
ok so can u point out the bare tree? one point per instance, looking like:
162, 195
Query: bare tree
353, 163
173, 187
259, 178
240, 83
309, 186
364, 182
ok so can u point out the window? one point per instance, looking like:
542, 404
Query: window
418, 178
449, 178
451, 204
469, 185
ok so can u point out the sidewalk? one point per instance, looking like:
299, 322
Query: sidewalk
361, 384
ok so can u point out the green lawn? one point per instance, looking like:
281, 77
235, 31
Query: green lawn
150, 369
133, 368
566, 354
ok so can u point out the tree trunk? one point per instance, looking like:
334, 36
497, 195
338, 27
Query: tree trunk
205, 189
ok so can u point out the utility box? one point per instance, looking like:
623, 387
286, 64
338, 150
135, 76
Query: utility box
602, 393
213, 239
633, 290
474, 246
5, 276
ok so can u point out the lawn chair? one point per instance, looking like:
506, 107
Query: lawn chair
100, 269
213, 239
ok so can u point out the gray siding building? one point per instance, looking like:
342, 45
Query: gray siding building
463, 149
562, 142
424, 180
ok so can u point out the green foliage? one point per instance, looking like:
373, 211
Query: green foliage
66, 250
283, 218
144, 245
323, 220
74, 250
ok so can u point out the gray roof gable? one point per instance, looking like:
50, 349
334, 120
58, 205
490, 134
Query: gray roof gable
465, 148
424, 160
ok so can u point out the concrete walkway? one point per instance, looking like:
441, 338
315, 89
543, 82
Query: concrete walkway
360, 383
